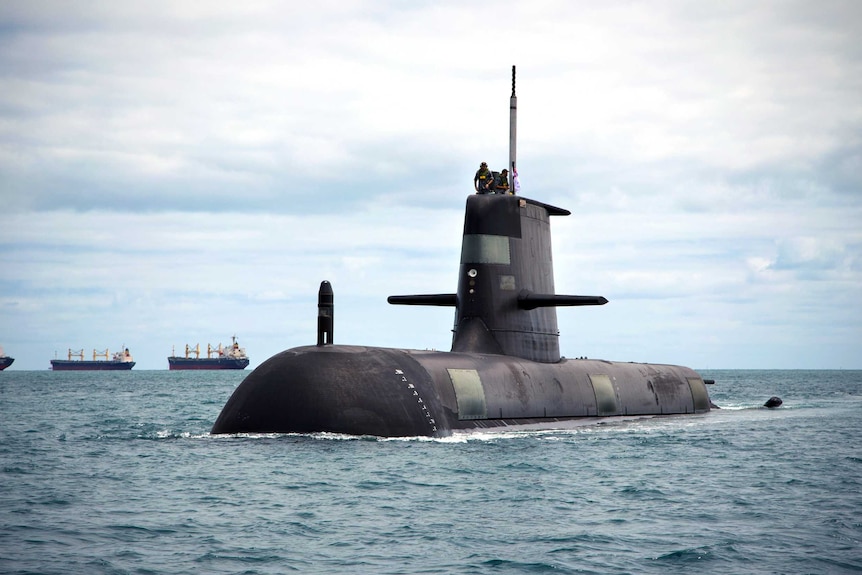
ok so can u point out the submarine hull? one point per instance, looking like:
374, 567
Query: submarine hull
504, 368
402, 393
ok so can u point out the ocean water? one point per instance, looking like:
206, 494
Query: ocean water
110, 472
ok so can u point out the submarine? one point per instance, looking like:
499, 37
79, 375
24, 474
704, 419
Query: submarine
504, 369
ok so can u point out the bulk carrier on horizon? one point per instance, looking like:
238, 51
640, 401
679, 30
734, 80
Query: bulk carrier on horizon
121, 360
5, 360
233, 357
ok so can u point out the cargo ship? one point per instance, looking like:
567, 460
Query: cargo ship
5, 360
121, 360
232, 357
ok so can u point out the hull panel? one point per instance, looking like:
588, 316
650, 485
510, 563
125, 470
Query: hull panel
6, 362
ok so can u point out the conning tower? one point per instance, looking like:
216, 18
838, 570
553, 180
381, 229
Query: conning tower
506, 301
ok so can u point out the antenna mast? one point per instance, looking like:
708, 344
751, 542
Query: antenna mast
513, 132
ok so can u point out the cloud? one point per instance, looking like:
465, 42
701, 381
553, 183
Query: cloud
161, 161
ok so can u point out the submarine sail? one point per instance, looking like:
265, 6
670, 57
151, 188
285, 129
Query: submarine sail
504, 368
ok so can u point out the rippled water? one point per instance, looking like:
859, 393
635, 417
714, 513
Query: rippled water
116, 473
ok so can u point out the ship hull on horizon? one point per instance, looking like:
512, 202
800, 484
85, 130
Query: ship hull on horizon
182, 363
5, 362
76, 365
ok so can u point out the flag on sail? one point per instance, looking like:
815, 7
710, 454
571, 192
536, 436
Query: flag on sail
516, 183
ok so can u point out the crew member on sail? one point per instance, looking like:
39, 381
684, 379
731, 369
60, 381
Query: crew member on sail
483, 179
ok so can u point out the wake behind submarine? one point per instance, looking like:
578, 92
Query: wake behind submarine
504, 368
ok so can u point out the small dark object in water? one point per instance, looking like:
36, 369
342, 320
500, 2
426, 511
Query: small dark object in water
773, 402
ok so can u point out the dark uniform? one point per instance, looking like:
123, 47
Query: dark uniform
483, 179
502, 185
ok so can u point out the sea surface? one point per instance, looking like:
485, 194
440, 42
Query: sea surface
115, 472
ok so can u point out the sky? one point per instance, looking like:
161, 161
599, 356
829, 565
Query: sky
179, 172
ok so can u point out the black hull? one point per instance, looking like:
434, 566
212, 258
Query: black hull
402, 393
183, 363
6, 362
75, 365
